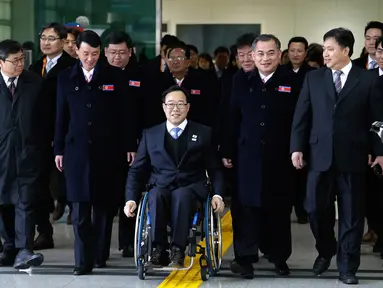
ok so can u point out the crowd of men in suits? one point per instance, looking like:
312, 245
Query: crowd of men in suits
283, 133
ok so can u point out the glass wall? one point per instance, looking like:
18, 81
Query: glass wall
23, 19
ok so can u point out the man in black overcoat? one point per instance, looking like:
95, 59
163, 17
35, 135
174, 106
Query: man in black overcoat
22, 127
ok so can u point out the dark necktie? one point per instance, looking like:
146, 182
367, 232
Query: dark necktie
337, 81
12, 86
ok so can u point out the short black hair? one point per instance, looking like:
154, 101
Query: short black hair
266, 38
118, 37
343, 37
89, 37
373, 25
168, 39
245, 40
75, 32
378, 41
178, 45
192, 48
9, 47
299, 39
221, 49
60, 29
175, 88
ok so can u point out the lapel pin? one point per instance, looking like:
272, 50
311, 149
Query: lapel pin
194, 138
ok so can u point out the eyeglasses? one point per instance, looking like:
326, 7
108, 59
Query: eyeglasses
50, 39
179, 58
17, 60
115, 53
180, 106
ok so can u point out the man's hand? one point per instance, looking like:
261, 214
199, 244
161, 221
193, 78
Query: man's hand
227, 163
297, 159
378, 161
130, 157
129, 208
59, 160
217, 204
369, 159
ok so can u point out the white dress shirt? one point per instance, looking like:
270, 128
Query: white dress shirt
6, 78
265, 78
369, 61
346, 70
88, 74
179, 82
380, 72
53, 61
182, 126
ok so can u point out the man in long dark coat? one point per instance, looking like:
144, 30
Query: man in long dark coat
21, 140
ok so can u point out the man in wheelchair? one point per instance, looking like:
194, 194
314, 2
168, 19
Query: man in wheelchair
174, 156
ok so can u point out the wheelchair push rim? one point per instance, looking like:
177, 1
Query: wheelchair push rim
141, 231
213, 232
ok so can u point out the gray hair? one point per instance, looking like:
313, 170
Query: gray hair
265, 38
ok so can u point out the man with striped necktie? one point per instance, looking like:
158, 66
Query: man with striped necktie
372, 32
331, 125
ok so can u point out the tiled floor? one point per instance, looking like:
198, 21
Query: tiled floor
57, 269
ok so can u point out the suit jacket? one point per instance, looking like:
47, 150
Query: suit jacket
22, 126
154, 163
337, 131
301, 74
361, 62
94, 130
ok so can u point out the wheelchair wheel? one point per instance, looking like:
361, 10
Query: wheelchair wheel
142, 239
141, 272
213, 232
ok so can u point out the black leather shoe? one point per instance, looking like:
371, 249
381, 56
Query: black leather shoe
349, 278
78, 271
26, 259
100, 265
159, 257
177, 257
282, 269
43, 241
321, 265
7, 258
246, 270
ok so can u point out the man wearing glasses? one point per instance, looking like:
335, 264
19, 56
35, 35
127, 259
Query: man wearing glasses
22, 124
204, 92
118, 50
54, 60
378, 200
175, 155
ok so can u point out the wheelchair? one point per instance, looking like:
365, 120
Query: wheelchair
206, 224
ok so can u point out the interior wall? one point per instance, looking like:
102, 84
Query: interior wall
284, 18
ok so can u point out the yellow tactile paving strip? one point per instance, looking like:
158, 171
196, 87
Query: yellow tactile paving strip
192, 277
